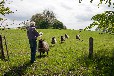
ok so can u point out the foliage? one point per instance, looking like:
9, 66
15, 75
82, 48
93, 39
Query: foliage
57, 24
49, 16
44, 24
97, 29
67, 59
4, 10
109, 2
46, 20
37, 18
105, 21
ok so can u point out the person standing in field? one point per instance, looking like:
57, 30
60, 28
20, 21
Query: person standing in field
32, 36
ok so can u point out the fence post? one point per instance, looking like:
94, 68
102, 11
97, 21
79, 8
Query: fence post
90, 47
1, 48
6, 47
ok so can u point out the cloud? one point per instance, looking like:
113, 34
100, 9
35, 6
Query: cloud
82, 18
66, 6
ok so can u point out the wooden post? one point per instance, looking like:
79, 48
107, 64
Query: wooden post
6, 47
90, 47
1, 48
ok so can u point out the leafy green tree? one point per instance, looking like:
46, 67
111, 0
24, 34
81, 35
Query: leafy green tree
4, 10
109, 2
97, 29
44, 24
104, 21
37, 18
57, 25
46, 19
49, 16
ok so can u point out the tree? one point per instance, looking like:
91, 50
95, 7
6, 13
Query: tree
4, 10
105, 21
37, 18
97, 29
44, 24
57, 24
109, 2
46, 19
49, 16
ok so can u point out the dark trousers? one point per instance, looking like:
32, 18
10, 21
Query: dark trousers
33, 45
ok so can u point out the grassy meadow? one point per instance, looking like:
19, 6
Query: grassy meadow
64, 59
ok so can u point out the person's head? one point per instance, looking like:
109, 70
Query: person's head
32, 24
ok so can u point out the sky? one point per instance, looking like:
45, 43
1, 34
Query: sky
73, 14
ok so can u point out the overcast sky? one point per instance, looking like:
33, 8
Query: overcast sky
73, 14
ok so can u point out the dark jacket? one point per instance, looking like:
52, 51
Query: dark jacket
32, 33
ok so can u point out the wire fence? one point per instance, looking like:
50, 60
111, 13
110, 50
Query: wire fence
13, 40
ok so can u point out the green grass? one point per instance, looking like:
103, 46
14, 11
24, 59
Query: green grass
68, 58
